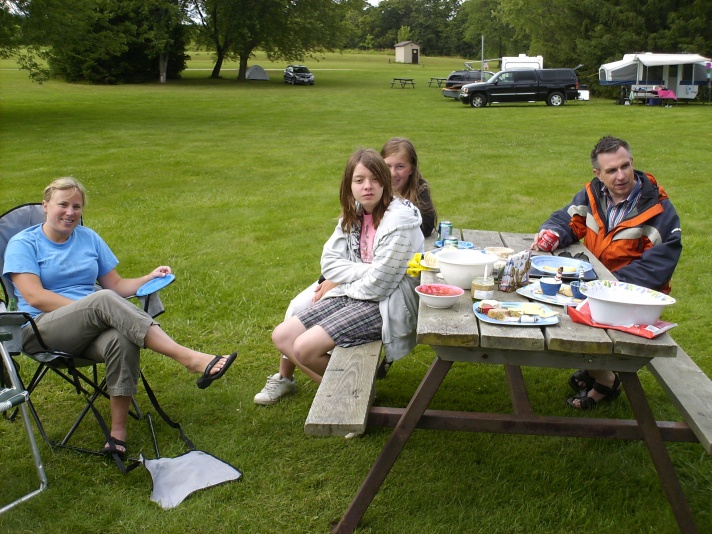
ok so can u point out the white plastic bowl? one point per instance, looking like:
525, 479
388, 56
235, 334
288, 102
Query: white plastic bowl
459, 267
619, 303
439, 295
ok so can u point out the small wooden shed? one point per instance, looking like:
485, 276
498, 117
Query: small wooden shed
407, 52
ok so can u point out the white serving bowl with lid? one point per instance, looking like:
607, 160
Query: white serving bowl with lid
617, 303
459, 267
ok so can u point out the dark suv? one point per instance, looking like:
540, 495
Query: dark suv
553, 86
458, 78
295, 74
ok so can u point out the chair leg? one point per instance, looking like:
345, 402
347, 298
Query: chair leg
91, 389
39, 466
14, 381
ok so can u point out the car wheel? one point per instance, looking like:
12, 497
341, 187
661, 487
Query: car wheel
478, 101
555, 99
294, 82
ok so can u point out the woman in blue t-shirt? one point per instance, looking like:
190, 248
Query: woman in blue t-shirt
54, 267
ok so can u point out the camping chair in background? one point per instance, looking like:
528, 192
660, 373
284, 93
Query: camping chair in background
68, 366
14, 396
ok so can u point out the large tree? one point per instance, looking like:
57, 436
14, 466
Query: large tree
429, 25
102, 41
478, 19
10, 21
285, 29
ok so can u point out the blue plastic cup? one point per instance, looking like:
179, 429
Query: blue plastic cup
576, 290
550, 286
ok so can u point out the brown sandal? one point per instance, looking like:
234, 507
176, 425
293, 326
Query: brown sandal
586, 402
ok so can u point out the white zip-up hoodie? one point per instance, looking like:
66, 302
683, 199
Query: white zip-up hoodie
397, 239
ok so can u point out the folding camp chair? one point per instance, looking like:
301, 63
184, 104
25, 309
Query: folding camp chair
14, 395
68, 366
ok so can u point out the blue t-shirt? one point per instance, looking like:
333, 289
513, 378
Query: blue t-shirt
69, 269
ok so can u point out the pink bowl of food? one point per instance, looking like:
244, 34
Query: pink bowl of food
439, 295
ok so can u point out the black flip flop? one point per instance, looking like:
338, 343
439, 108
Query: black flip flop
581, 376
207, 378
110, 448
586, 402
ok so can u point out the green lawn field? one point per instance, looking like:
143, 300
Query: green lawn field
235, 185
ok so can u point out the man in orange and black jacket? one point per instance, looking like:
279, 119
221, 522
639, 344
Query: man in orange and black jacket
628, 222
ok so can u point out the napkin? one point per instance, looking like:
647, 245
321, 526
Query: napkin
516, 271
414, 266
582, 314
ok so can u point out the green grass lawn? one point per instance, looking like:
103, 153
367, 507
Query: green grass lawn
235, 185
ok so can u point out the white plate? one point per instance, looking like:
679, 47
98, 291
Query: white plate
428, 268
551, 264
541, 321
530, 292
425, 265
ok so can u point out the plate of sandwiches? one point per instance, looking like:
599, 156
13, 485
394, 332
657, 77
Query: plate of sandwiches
515, 313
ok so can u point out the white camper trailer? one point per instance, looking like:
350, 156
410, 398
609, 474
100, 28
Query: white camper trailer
680, 73
522, 61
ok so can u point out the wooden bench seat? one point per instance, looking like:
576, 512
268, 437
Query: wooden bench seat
690, 391
347, 390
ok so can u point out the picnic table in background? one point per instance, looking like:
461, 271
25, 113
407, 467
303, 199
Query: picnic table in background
653, 96
439, 81
403, 82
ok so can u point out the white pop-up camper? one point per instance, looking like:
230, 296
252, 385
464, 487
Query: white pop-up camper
679, 73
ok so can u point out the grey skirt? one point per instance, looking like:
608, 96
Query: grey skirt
348, 321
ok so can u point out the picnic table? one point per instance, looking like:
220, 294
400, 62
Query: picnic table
439, 81
665, 97
403, 82
456, 335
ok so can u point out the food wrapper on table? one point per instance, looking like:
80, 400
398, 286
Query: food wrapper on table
516, 271
582, 314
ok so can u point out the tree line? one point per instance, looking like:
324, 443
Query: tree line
115, 41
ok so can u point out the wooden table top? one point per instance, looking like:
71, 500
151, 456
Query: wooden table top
566, 344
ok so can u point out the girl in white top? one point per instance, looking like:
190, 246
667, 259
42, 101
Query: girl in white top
366, 258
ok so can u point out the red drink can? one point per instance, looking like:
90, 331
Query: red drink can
548, 240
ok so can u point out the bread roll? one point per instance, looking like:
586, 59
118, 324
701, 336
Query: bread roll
498, 313
431, 260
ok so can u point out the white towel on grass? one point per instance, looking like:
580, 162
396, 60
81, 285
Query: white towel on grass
176, 478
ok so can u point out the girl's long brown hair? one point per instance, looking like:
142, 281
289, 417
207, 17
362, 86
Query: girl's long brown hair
370, 159
416, 183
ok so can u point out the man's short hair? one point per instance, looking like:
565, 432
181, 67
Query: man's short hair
607, 145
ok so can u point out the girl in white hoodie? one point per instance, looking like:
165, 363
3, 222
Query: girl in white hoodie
367, 256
